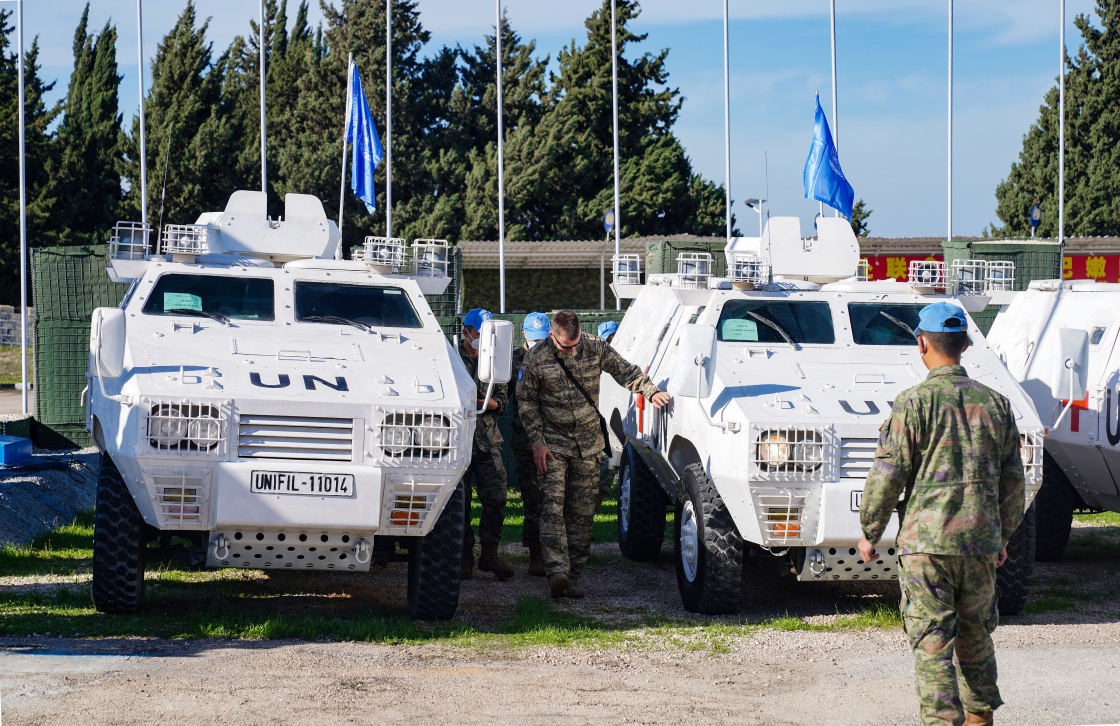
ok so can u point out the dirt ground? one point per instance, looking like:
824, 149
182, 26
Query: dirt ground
1058, 665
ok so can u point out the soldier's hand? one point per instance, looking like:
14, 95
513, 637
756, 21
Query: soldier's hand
541, 457
867, 550
660, 399
1001, 557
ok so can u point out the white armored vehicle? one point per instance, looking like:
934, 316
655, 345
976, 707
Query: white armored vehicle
279, 408
1048, 331
781, 374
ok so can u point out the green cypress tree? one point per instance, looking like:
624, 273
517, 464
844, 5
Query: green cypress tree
84, 173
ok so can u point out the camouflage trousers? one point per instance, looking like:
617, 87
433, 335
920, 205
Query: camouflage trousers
530, 494
949, 613
489, 476
569, 489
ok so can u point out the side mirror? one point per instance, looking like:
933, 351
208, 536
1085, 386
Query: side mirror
696, 362
1069, 381
106, 342
495, 352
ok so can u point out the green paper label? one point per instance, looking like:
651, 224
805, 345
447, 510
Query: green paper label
181, 301
743, 331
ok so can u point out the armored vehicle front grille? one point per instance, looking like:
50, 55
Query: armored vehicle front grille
856, 457
409, 503
420, 438
262, 436
783, 515
181, 497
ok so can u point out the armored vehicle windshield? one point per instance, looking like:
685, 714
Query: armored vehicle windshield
239, 298
884, 323
332, 303
776, 321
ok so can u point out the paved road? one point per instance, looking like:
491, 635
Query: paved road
12, 402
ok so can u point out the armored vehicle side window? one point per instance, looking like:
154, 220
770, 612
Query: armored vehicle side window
332, 303
746, 321
238, 298
884, 323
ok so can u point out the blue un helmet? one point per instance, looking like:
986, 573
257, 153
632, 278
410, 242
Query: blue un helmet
475, 318
942, 318
607, 329
536, 326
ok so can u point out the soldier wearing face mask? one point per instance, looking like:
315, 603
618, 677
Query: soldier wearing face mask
486, 469
535, 328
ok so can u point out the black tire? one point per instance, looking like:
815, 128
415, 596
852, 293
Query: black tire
435, 563
1013, 580
641, 509
119, 540
1053, 507
710, 581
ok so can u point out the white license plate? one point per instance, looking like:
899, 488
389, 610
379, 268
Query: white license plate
857, 497
297, 482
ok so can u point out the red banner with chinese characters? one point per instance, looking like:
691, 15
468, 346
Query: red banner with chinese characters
1102, 268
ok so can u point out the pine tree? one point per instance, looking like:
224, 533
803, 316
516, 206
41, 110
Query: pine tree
38, 119
190, 134
860, 215
1092, 143
84, 173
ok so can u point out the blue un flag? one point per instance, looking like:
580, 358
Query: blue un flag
824, 179
361, 132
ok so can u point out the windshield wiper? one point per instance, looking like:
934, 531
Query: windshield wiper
897, 322
771, 324
337, 320
198, 313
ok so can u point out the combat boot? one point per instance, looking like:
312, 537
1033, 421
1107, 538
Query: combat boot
489, 561
558, 584
536, 561
575, 591
979, 719
466, 568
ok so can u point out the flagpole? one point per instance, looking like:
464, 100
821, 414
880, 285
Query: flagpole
614, 97
22, 214
143, 143
835, 117
950, 170
264, 135
345, 129
726, 124
388, 118
501, 166
1062, 134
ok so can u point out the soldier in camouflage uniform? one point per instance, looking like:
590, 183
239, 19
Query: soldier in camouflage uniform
563, 428
486, 467
951, 445
535, 328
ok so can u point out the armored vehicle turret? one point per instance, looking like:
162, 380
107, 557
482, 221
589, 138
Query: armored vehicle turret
781, 374
1059, 340
278, 407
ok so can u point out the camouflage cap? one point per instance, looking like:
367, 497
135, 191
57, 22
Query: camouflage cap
942, 317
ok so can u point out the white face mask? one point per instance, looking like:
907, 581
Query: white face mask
531, 343
474, 344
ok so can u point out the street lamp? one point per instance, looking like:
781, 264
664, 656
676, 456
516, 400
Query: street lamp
756, 205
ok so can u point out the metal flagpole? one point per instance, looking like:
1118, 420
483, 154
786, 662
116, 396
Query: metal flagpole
22, 213
501, 165
950, 170
726, 124
614, 95
345, 129
835, 118
143, 143
264, 135
1062, 134
388, 118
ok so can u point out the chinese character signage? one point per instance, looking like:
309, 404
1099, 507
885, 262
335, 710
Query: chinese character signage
1102, 268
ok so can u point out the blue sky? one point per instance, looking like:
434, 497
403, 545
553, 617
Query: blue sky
892, 58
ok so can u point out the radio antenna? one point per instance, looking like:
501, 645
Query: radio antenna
766, 178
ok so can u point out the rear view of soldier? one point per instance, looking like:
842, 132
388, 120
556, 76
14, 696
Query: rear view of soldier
535, 328
951, 445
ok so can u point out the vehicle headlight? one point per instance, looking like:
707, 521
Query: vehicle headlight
396, 438
167, 427
434, 433
774, 450
205, 433
1026, 451
809, 455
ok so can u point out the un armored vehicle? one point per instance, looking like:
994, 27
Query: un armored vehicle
277, 407
1059, 340
781, 374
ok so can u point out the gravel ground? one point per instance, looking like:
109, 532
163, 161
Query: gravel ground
45, 492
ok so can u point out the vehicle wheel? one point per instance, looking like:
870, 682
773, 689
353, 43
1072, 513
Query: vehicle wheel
1013, 580
435, 562
119, 541
708, 548
641, 509
1053, 508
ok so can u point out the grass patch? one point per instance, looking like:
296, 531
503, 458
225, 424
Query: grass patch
10, 366
66, 550
1100, 519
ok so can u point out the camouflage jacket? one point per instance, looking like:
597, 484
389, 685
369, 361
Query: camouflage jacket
520, 438
487, 437
554, 412
955, 442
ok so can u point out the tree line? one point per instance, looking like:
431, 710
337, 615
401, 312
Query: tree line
203, 141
